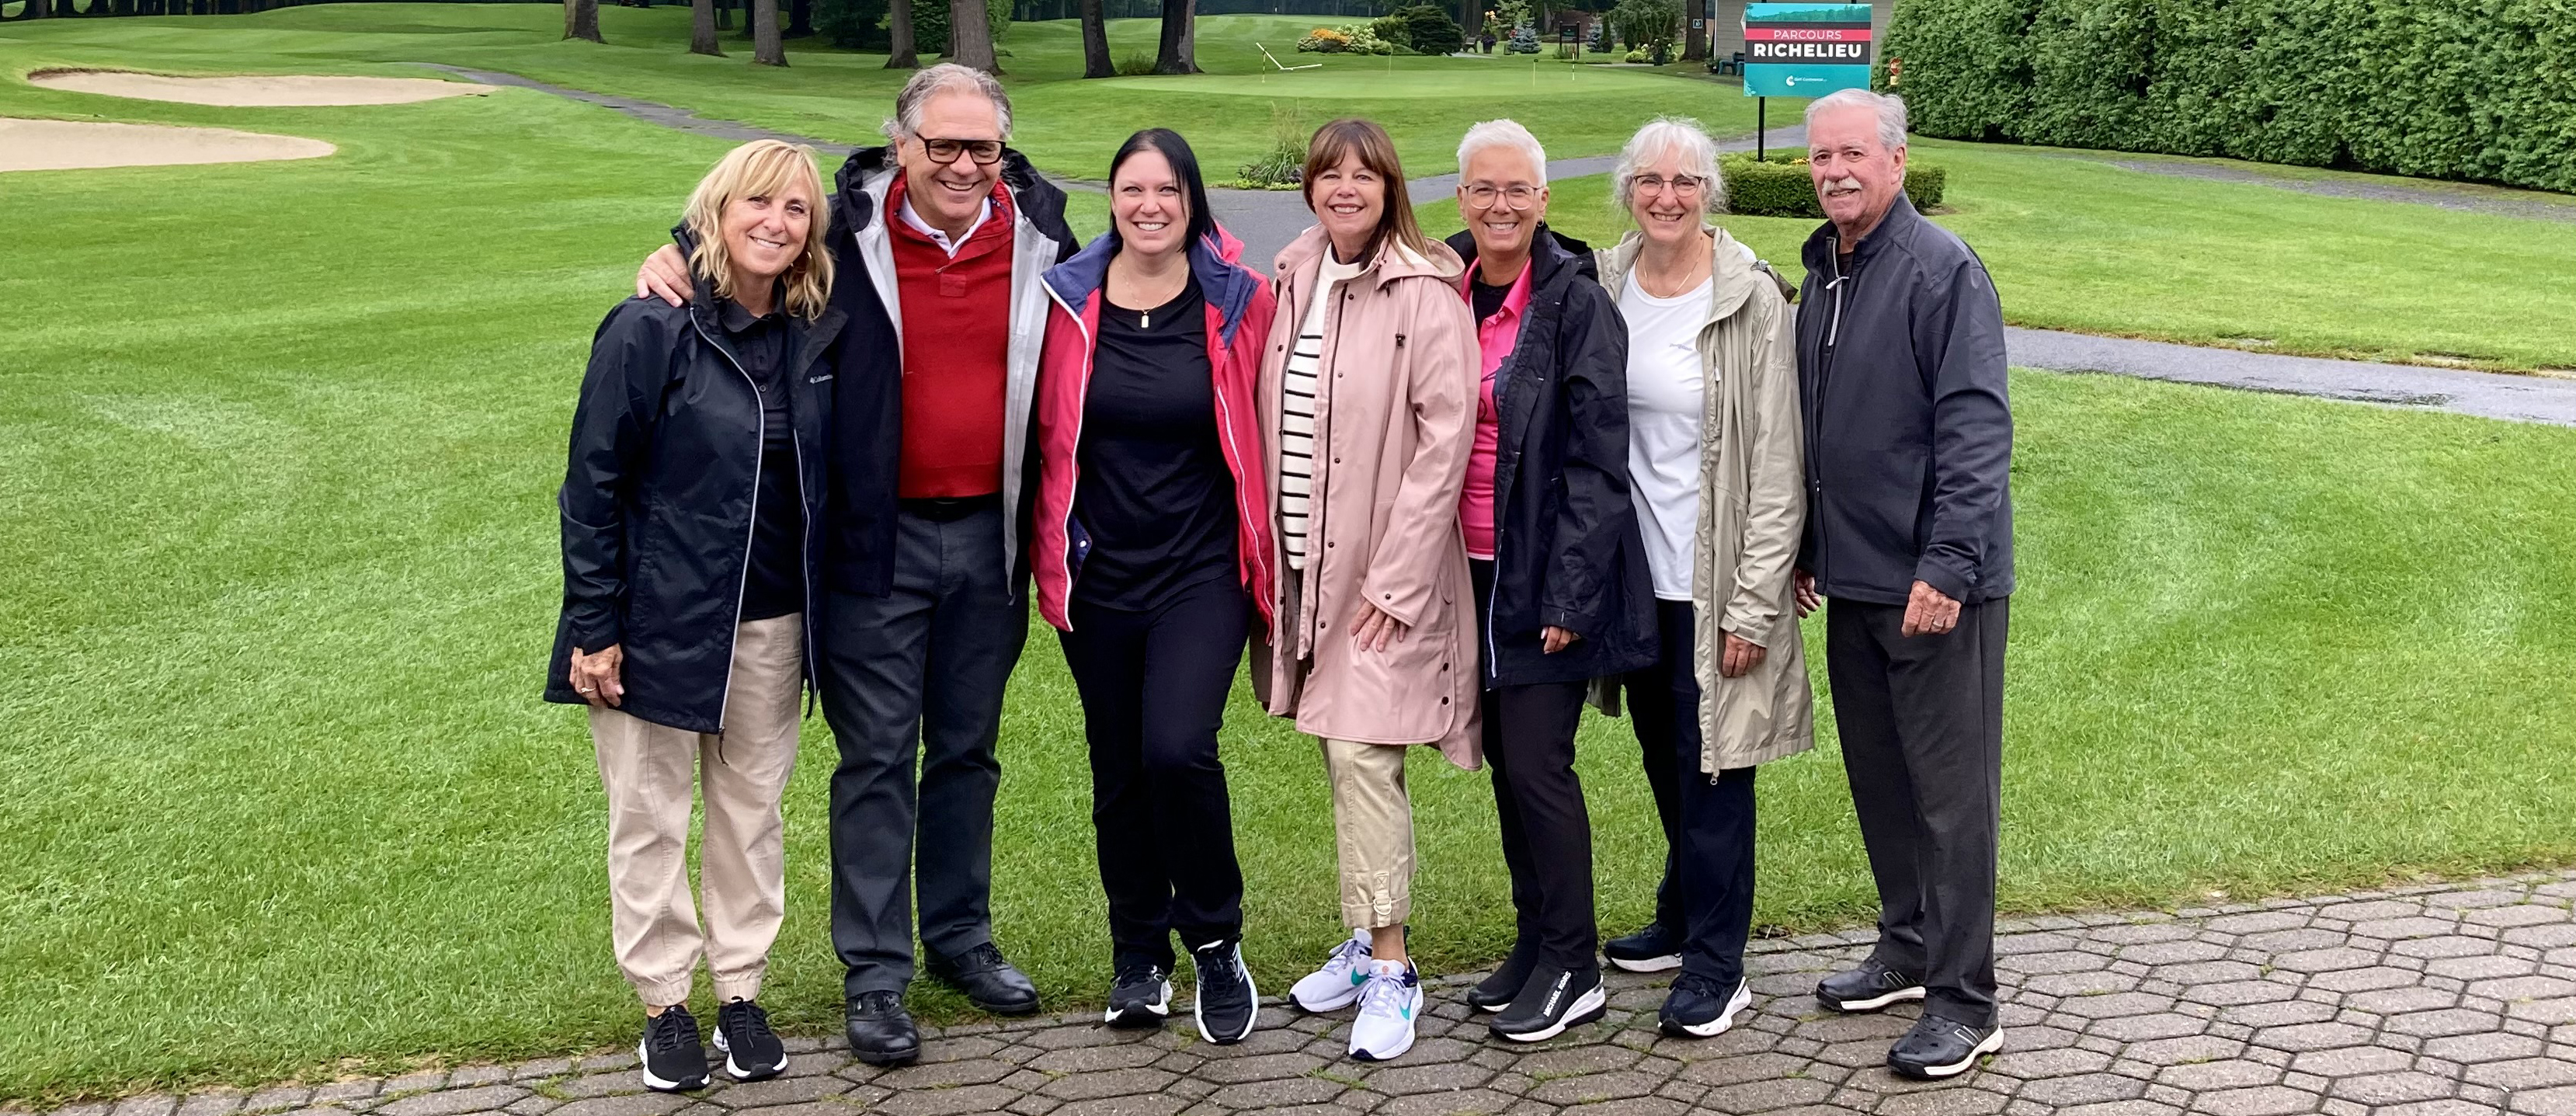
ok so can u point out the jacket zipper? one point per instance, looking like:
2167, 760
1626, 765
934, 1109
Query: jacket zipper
750, 531
1081, 402
1815, 414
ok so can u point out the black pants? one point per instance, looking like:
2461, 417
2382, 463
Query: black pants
1547, 834
1154, 686
918, 672
1922, 724
1707, 895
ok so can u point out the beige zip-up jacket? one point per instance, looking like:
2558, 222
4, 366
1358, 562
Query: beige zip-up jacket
1752, 509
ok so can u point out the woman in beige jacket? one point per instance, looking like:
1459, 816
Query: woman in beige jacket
1368, 391
1715, 468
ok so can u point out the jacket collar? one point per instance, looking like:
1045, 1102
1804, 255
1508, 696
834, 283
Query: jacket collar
1393, 261
1826, 240
1551, 254
1732, 276
862, 180
1215, 261
814, 335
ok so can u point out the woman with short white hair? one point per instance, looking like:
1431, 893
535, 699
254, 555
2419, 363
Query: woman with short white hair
1716, 472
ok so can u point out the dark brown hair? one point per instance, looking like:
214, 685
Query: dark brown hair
1335, 141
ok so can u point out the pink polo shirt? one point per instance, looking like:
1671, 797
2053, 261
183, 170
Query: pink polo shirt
1495, 337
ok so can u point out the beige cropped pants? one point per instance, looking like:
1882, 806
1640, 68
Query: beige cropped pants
652, 773
1373, 832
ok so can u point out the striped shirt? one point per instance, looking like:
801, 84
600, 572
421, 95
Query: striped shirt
1298, 389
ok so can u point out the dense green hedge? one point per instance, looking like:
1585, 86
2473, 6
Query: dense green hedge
1780, 187
2468, 89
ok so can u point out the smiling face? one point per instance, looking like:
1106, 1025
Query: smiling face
1667, 198
1148, 205
1500, 198
1857, 176
1349, 200
764, 235
949, 195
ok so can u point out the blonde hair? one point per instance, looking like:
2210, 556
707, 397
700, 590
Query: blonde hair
763, 168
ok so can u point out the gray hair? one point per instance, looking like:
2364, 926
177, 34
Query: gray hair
946, 77
1503, 133
1669, 135
1889, 107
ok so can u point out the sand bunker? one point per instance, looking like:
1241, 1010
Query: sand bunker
255, 91
75, 144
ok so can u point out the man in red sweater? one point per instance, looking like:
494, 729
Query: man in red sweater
938, 241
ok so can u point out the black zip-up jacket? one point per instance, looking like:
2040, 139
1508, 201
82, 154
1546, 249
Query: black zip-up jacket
867, 445
1909, 430
658, 498
1566, 548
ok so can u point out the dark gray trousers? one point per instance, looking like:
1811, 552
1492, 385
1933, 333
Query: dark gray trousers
1922, 725
918, 674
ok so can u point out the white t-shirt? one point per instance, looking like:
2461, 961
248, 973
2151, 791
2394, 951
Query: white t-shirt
1666, 390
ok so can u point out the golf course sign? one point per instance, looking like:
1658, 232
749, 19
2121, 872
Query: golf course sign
1805, 49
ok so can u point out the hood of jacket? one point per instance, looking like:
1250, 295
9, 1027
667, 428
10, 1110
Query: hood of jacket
1216, 261
1552, 253
1734, 271
861, 183
1394, 259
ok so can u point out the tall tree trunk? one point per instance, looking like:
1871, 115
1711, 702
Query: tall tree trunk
970, 35
702, 28
1695, 18
581, 20
1471, 19
800, 19
766, 48
1095, 40
1179, 50
37, 9
900, 54
724, 15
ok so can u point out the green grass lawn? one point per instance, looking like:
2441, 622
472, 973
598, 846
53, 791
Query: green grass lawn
278, 444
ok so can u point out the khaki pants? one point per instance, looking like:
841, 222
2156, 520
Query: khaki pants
651, 771
1373, 830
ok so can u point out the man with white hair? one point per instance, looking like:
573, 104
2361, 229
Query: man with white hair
1909, 533
924, 608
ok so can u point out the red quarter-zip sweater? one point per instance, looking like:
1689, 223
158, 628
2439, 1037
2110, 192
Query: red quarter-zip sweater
956, 352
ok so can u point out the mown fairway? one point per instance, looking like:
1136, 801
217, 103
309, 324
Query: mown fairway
278, 444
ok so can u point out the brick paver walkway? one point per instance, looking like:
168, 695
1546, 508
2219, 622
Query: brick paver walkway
2423, 1002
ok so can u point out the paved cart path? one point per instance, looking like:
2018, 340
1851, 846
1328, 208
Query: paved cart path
1267, 220
2441, 1000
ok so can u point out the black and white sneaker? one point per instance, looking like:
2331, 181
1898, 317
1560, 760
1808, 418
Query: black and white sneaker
1868, 988
752, 1051
1504, 984
1652, 950
1937, 1048
674, 1059
1554, 999
1141, 997
1700, 1007
1226, 1004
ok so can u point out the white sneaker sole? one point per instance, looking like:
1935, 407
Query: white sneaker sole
1874, 1003
658, 1085
1993, 1044
1336, 1003
1586, 1008
1199, 1013
1398, 1050
1665, 963
735, 1070
1158, 1010
1725, 1021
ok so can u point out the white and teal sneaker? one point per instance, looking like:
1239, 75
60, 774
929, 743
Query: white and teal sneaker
1337, 984
1390, 999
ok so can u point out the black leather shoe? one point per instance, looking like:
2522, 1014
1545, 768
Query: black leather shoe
881, 1032
1868, 988
1553, 1000
1937, 1048
1493, 992
1652, 950
988, 979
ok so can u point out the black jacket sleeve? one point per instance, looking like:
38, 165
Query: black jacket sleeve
630, 361
1959, 330
1583, 557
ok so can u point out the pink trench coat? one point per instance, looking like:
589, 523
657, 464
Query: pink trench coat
1394, 425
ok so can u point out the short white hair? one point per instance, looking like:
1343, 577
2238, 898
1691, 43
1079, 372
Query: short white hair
1503, 133
1889, 107
946, 77
1669, 135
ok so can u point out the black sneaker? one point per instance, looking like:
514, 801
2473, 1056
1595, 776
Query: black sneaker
1651, 950
1226, 1003
674, 1060
1868, 988
1495, 992
1141, 997
1700, 1007
752, 1051
1553, 1000
1937, 1048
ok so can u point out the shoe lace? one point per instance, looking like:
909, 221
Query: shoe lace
1383, 995
674, 1030
984, 956
1217, 958
1139, 974
1699, 984
1347, 956
747, 1020
881, 1002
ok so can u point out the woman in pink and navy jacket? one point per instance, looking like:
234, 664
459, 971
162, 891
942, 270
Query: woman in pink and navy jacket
1152, 553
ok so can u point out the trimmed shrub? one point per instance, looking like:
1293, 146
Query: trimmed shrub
1637, 55
1524, 40
2469, 90
1136, 65
1427, 28
1324, 40
1780, 187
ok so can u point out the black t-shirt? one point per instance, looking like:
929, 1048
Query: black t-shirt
1487, 300
1155, 494
775, 583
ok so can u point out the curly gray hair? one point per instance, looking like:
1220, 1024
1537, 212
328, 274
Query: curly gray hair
1668, 135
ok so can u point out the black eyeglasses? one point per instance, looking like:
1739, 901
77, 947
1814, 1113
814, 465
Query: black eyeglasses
984, 152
